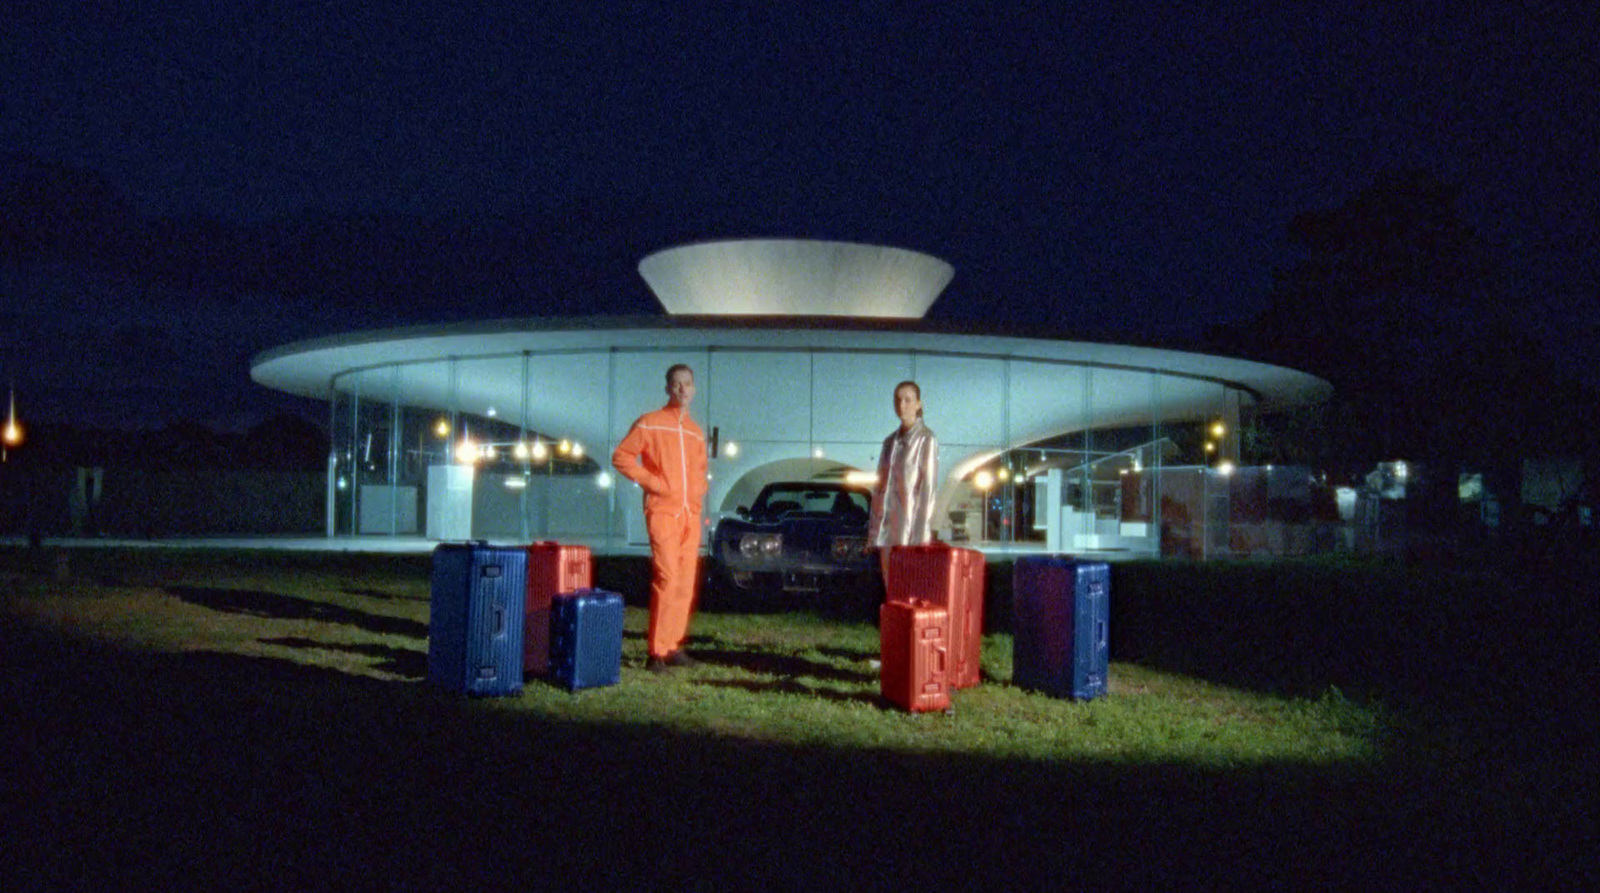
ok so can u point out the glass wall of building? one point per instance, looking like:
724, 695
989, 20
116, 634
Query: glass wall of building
1036, 453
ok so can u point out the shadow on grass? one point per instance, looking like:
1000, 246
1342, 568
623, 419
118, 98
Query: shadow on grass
794, 686
381, 595
406, 662
205, 770
769, 664
256, 603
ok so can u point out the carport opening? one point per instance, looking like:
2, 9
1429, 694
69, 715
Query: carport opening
744, 491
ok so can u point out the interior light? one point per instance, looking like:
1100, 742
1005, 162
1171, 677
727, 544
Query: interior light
603, 480
817, 453
577, 451
1003, 474
539, 449
467, 452
516, 482
1218, 429
731, 449
861, 477
565, 446
1225, 468
520, 450
983, 480
442, 428
491, 412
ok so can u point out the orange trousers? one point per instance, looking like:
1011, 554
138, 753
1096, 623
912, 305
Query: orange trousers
674, 564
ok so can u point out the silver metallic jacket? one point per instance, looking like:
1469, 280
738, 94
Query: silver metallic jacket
902, 499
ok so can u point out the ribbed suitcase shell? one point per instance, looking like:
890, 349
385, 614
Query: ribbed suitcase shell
914, 647
1061, 609
951, 577
475, 618
553, 569
586, 639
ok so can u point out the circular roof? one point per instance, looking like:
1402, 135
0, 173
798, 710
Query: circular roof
308, 368
795, 277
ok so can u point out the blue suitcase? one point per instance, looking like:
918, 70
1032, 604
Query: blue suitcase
586, 639
1060, 610
475, 618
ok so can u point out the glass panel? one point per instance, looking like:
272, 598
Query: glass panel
976, 386
374, 440
852, 389
760, 396
341, 499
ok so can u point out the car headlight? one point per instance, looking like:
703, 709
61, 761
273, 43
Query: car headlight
847, 548
761, 545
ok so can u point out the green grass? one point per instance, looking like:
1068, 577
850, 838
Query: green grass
208, 719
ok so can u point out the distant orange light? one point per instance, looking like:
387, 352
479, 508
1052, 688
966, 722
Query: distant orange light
11, 435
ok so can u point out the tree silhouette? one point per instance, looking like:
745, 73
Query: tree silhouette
1403, 307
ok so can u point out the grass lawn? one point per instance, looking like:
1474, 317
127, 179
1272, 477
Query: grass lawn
258, 720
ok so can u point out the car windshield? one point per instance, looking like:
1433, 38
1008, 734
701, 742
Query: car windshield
782, 500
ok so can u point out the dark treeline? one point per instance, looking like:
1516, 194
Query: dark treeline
284, 442
1409, 312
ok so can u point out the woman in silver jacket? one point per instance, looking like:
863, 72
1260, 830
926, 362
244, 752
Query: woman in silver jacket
908, 466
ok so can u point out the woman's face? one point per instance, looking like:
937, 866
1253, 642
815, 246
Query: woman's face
907, 405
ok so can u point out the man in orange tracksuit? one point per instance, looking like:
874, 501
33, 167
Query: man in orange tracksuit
665, 453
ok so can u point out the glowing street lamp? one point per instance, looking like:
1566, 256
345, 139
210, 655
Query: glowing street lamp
11, 435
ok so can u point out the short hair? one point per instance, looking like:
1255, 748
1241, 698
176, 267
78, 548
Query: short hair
675, 368
908, 383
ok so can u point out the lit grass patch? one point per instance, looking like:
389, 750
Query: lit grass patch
795, 678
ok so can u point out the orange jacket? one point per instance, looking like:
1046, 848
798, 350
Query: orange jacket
665, 453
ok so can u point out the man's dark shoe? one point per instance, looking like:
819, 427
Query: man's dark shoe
681, 659
657, 665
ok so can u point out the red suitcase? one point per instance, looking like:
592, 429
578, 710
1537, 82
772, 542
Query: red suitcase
553, 569
914, 639
953, 578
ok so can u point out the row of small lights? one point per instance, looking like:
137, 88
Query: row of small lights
468, 452
984, 479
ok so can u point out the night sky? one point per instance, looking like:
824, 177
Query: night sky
181, 189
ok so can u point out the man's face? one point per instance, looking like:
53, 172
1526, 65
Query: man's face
907, 405
681, 389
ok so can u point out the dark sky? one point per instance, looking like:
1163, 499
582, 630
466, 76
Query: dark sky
186, 187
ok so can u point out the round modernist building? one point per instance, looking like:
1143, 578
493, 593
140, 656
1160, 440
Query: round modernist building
503, 430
